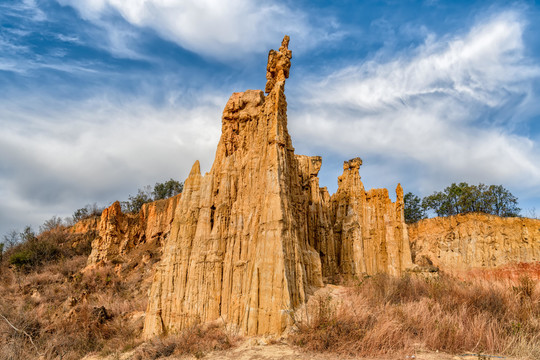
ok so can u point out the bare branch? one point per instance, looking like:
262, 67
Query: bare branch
22, 332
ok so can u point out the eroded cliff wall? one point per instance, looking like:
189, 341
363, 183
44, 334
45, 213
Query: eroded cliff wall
249, 241
86, 225
369, 228
465, 241
119, 233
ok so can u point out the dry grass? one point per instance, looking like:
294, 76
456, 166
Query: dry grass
67, 313
385, 315
56, 311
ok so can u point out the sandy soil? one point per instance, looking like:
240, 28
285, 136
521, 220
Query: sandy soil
256, 349
284, 351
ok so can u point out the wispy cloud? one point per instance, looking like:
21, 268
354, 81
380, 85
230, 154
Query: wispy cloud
219, 29
68, 38
27, 9
427, 107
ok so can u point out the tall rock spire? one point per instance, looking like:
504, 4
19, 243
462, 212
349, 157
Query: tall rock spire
247, 238
279, 64
238, 247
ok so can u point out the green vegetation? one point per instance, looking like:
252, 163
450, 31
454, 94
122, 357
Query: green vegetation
51, 309
167, 189
26, 251
413, 208
460, 199
86, 212
135, 202
161, 191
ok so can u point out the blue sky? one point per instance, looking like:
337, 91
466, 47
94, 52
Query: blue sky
101, 97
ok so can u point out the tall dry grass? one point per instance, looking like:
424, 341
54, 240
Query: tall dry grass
54, 310
387, 315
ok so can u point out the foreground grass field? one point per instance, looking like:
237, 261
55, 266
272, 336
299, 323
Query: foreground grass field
55, 310
490, 311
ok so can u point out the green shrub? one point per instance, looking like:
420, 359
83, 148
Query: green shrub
33, 251
145, 195
21, 260
167, 189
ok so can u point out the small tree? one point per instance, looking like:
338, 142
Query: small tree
436, 202
145, 195
80, 214
51, 224
413, 208
167, 189
501, 201
464, 198
86, 212
10, 239
134, 204
28, 235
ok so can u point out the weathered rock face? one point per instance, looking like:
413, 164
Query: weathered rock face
238, 247
119, 232
475, 240
252, 238
368, 227
86, 225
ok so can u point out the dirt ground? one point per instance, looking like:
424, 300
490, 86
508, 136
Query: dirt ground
256, 349
284, 351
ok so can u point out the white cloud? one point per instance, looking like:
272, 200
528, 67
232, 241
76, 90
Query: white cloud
428, 107
37, 13
68, 154
222, 29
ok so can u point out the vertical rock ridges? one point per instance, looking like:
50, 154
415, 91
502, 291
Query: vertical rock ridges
119, 232
368, 227
279, 64
238, 247
253, 238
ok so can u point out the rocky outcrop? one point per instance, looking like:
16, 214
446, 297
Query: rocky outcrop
368, 227
465, 241
86, 225
119, 232
252, 239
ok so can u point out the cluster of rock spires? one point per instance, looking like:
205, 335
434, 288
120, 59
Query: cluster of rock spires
252, 239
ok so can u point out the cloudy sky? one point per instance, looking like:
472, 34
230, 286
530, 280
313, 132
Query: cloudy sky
101, 97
